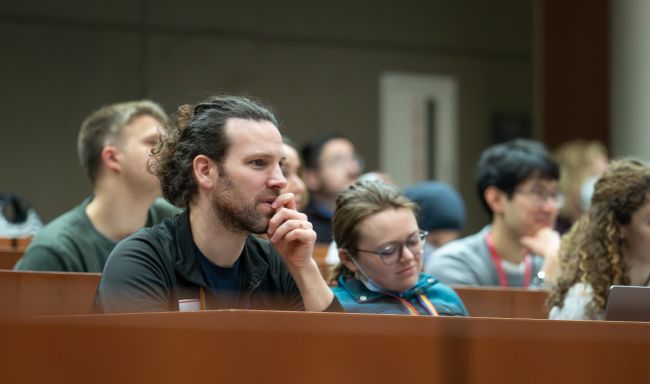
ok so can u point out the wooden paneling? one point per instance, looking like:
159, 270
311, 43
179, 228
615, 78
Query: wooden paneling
46, 293
269, 347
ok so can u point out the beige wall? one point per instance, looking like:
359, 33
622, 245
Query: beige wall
317, 63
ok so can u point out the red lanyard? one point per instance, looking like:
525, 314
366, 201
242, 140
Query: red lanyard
496, 260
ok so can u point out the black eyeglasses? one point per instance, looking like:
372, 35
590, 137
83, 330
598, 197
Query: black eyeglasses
392, 252
539, 196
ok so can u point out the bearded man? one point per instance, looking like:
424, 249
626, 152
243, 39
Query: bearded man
221, 161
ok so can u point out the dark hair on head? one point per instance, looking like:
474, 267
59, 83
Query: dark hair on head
591, 252
361, 200
105, 126
199, 130
311, 150
507, 165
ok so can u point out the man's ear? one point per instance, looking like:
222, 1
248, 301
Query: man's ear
344, 256
205, 171
110, 158
495, 199
312, 180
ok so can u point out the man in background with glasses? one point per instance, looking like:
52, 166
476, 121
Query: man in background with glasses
517, 183
331, 165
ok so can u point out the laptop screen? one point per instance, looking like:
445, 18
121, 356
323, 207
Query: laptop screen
628, 303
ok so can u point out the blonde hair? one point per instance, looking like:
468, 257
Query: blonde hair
105, 126
576, 159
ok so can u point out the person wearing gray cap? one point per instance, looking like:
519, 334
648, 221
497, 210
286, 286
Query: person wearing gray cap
441, 213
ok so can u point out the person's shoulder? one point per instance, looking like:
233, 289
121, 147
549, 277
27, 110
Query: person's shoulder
461, 248
62, 229
434, 285
574, 305
444, 296
147, 247
162, 234
56, 246
161, 209
580, 289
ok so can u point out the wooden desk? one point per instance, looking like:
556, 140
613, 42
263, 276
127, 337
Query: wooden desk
284, 347
504, 302
46, 293
320, 253
9, 257
11, 250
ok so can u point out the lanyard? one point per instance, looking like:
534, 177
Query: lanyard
202, 298
422, 298
496, 260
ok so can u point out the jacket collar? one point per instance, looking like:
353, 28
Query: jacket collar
186, 264
362, 294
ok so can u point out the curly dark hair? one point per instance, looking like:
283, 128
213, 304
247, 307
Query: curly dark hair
199, 130
590, 252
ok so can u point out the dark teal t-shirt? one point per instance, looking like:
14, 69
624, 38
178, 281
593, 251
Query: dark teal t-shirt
70, 243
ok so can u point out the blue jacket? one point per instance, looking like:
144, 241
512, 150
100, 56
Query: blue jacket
355, 297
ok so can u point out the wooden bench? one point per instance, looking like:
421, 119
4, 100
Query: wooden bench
256, 346
50, 293
46, 293
320, 253
11, 250
504, 302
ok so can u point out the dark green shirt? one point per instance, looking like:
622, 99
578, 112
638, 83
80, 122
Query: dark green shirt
70, 243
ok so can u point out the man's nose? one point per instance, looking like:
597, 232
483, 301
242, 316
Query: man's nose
277, 179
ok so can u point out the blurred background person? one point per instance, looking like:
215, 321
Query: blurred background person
332, 257
292, 171
608, 246
331, 165
114, 146
441, 212
517, 183
380, 247
581, 163
18, 219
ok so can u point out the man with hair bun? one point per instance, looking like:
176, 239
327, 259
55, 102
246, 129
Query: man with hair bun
222, 163
114, 146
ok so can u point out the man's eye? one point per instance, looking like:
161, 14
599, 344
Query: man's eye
258, 163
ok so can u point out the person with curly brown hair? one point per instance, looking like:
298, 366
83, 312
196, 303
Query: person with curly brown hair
608, 246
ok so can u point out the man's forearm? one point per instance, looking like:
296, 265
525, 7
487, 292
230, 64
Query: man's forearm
316, 295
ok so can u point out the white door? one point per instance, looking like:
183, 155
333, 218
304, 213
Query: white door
418, 127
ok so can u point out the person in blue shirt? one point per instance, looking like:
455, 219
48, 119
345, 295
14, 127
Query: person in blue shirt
380, 248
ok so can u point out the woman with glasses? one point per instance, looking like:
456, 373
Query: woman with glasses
608, 246
380, 248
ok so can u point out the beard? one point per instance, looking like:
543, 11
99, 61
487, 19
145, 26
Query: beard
229, 204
